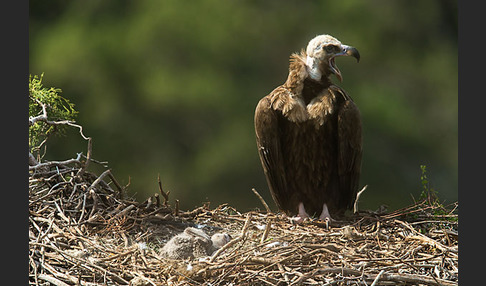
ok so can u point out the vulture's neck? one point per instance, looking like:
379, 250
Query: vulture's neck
316, 81
307, 77
313, 68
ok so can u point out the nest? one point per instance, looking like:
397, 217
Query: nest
83, 230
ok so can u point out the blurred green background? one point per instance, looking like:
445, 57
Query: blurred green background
170, 88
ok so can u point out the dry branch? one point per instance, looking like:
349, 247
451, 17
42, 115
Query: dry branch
52, 280
264, 203
164, 194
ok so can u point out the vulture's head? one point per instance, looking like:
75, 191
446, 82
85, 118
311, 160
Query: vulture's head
220, 239
321, 52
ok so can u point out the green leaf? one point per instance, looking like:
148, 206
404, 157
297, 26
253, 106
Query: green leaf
57, 108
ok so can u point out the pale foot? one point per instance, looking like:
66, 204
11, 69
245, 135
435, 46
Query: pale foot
325, 216
299, 218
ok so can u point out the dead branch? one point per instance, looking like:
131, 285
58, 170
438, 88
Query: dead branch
267, 208
164, 194
51, 280
50, 164
358, 195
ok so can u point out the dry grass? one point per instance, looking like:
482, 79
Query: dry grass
84, 232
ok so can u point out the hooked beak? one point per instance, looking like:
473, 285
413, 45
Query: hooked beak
350, 51
346, 51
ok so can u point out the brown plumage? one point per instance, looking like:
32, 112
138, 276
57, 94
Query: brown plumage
308, 133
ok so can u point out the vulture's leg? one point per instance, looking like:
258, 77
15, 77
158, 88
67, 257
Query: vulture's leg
325, 214
301, 216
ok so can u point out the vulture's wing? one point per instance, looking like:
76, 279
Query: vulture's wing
350, 151
269, 149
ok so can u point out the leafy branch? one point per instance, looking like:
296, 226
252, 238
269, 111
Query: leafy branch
50, 113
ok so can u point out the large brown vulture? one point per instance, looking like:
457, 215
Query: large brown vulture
308, 134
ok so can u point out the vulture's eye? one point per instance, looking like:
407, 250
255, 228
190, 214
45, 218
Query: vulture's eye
330, 49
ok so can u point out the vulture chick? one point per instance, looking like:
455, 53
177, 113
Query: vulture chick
308, 134
193, 243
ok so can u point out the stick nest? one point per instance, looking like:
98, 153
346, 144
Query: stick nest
83, 231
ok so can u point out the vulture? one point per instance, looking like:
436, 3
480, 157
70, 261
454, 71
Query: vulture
193, 243
308, 134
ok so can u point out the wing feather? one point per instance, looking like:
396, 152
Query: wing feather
350, 151
270, 152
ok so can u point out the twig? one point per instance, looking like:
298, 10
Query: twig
99, 179
286, 277
268, 226
51, 280
377, 277
118, 186
56, 164
262, 200
118, 255
88, 155
94, 197
355, 208
83, 210
61, 213
176, 209
164, 194
124, 211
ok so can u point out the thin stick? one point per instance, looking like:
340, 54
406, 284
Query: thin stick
98, 180
55, 164
94, 196
176, 210
164, 194
262, 200
124, 211
118, 186
51, 280
377, 277
118, 255
83, 208
246, 225
355, 208
267, 230
88, 155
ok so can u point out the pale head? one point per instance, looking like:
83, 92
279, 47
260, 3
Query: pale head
321, 52
317, 46
220, 239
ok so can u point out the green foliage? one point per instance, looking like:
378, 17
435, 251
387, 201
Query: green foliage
427, 191
57, 108
431, 197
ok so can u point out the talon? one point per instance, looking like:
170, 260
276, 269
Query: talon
296, 219
325, 216
299, 219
